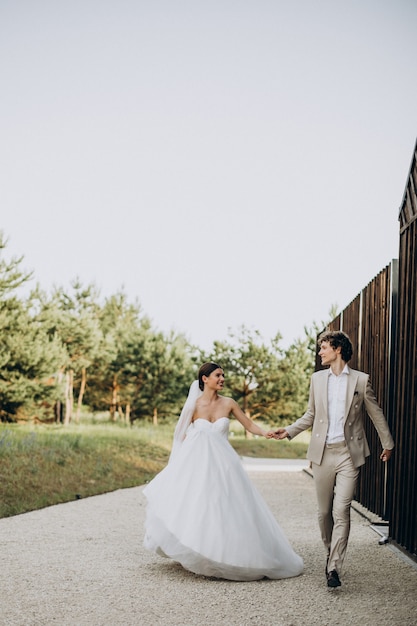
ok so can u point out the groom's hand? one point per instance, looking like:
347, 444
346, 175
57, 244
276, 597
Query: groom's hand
386, 455
280, 433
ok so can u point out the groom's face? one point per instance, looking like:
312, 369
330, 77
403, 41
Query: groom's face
327, 353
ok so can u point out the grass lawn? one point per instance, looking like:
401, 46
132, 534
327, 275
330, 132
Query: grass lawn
45, 465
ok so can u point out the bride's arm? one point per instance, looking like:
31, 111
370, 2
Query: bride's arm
247, 423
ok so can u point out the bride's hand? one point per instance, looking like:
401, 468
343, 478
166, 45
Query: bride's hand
280, 433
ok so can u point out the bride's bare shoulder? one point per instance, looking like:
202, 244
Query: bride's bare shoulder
227, 402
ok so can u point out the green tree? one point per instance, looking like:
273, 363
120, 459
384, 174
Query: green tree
74, 318
29, 356
11, 274
118, 374
297, 367
28, 364
252, 371
141, 374
82, 336
168, 375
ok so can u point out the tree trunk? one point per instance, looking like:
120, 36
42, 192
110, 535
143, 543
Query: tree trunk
81, 394
59, 413
155, 417
113, 404
69, 396
127, 415
248, 435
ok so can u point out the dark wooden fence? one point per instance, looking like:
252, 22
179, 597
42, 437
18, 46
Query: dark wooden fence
403, 515
382, 324
368, 320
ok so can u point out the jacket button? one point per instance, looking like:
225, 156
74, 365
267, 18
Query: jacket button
350, 423
317, 435
351, 438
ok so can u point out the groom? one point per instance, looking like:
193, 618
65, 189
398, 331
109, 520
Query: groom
338, 444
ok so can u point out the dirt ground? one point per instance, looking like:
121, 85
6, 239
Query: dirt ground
83, 564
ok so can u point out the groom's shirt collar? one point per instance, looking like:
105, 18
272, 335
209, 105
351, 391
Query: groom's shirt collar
345, 370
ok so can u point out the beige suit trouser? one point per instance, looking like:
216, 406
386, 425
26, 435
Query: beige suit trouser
335, 481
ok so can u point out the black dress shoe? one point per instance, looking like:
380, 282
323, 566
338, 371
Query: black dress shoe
333, 579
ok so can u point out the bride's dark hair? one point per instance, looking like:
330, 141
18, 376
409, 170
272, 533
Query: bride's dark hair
205, 370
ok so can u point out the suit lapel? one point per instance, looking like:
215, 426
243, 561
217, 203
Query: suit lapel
323, 390
351, 386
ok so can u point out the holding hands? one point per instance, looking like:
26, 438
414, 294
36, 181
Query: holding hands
279, 433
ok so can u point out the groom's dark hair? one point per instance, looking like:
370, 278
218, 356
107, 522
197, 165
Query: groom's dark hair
205, 370
337, 338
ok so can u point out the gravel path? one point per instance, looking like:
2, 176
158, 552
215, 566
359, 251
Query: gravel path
83, 564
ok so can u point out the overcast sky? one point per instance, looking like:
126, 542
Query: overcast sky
227, 162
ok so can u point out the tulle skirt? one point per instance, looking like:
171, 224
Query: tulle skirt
204, 512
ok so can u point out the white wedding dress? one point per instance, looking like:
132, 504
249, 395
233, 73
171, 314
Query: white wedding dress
204, 512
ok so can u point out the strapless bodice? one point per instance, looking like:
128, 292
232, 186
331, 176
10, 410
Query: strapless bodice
220, 426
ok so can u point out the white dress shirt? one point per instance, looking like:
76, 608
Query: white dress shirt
336, 399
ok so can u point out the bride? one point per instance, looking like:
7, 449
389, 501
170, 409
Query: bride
202, 509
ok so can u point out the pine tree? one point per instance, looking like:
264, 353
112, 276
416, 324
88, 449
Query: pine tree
29, 357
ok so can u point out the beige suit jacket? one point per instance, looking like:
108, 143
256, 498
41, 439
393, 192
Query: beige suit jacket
359, 393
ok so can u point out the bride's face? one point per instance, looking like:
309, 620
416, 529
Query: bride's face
215, 380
